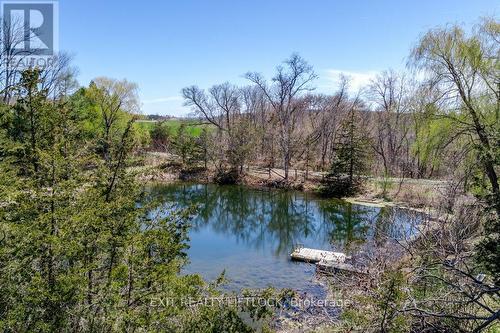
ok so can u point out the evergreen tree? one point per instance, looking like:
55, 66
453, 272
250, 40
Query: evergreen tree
350, 159
82, 245
190, 149
160, 138
183, 144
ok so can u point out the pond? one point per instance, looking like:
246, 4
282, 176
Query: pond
251, 233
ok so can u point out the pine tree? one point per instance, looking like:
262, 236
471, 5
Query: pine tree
351, 157
79, 247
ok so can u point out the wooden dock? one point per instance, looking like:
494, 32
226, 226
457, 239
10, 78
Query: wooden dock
315, 256
326, 261
335, 267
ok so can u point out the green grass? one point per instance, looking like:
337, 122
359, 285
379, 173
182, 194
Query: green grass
193, 127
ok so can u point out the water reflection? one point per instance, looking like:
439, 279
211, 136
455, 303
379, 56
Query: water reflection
238, 226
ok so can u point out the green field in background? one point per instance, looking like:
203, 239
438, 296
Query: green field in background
193, 127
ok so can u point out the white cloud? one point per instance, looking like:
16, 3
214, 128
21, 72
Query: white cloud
358, 80
163, 100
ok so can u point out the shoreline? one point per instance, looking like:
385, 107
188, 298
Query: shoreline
300, 318
369, 196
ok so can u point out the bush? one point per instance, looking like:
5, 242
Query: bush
224, 177
339, 187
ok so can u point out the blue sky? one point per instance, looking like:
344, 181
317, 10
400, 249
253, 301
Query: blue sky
167, 45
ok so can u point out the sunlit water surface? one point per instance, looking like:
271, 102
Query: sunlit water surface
250, 233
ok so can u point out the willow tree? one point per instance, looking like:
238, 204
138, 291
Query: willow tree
113, 98
465, 68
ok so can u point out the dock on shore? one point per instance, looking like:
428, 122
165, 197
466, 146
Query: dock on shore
326, 261
315, 256
335, 267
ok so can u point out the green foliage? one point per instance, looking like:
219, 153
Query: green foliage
193, 128
240, 144
186, 146
83, 247
385, 185
488, 250
431, 140
160, 137
142, 136
186, 139
388, 300
380, 307
350, 161
31, 123
464, 67
85, 113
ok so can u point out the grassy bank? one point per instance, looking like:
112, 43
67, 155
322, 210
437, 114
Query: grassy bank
193, 127
414, 193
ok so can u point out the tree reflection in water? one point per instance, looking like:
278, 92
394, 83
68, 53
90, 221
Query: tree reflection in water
276, 220
250, 233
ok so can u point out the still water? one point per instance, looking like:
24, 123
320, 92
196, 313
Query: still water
251, 233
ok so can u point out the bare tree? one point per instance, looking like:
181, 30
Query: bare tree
222, 107
460, 293
331, 109
256, 108
284, 95
389, 93
12, 55
58, 76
